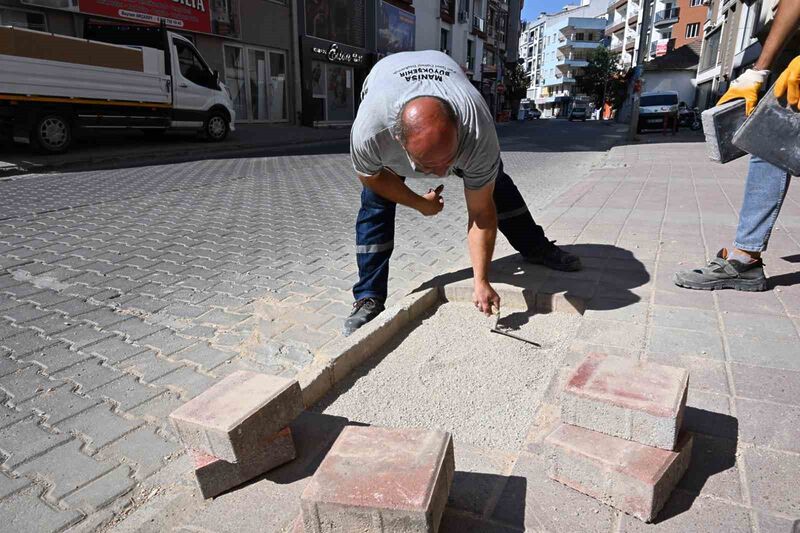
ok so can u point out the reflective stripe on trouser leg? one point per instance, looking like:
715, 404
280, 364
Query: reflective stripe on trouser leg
374, 245
513, 218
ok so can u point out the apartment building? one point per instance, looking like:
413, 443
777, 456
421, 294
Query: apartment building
730, 44
569, 37
531, 52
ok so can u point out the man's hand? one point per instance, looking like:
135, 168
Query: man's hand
484, 297
746, 86
433, 202
789, 83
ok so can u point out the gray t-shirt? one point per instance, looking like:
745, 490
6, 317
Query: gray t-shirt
398, 78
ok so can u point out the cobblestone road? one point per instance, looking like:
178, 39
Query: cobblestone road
124, 293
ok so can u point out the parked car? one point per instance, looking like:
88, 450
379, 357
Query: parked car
534, 113
578, 112
654, 107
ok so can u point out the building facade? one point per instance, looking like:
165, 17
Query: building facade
730, 44
248, 42
531, 51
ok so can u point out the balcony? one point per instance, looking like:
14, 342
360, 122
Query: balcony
616, 4
615, 27
570, 61
489, 71
666, 18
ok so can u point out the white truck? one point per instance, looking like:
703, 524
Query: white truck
53, 87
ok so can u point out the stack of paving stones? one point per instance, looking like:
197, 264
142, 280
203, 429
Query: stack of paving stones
239, 429
620, 438
379, 480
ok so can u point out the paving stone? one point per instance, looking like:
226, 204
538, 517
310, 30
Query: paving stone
630, 399
81, 336
50, 325
25, 343
99, 426
9, 416
127, 392
102, 317
775, 524
73, 307
65, 468
57, 404
135, 329
24, 313
102, 491
143, 448
237, 414
713, 469
609, 332
166, 342
88, 375
25, 383
26, 513
185, 310
56, 357
215, 476
148, 366
375, 479
627, 475
186, 381
758, 326
8, 365
772, 476
25, 440
113, 350
223, 319
156, 410
710, 414
9, 486
204, 332
769, 424
761, 383
479, 475
669, 341
685, 318
705, 374
781, 354
205, 356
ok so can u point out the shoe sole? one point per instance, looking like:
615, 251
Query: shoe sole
735, 284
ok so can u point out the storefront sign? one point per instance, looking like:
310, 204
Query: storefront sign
188, 15
334, 53
396, 29
662, 47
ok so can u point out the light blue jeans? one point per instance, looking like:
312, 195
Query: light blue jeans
764, 193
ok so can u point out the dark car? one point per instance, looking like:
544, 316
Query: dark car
578, 112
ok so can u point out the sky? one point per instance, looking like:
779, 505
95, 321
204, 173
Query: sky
533, 7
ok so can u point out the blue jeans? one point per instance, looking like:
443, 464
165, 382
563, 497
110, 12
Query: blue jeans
764, 193
375, 233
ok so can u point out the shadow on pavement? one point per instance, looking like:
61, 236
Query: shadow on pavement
607, 281
471, 492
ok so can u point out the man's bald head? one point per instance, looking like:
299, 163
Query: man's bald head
427, 127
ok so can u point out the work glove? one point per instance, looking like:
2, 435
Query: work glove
746, 86
789, 83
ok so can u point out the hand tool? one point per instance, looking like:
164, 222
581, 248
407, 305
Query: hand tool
496, 329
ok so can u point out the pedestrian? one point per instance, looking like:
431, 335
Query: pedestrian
741, 267
421, 116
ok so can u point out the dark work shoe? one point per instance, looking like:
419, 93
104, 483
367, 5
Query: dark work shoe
722, 273
554, 257
364, 310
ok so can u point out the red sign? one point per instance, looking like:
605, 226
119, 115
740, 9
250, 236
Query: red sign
662, 47
187, 15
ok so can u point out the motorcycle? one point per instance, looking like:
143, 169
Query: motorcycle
689, 118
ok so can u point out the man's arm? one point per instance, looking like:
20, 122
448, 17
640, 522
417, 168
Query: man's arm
481, 234
388, 185
785, 23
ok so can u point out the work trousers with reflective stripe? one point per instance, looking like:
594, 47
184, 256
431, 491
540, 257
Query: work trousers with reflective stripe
375, 234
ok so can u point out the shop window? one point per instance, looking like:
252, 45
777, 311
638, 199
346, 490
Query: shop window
277, 86
235, 80
23, 19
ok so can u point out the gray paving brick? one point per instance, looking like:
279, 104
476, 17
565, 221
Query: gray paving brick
65, 468
9, 416
8, 329
25, 440
73, 307
56, 357
221, 318
148, 366
768, 523
26, 513
25, 383
674, 342
166, 341
50, 324
88, 375
127, 392
704, 374
186, 381
113, 350
769, 424
25, 343
81, 336
204, 332
102, 491
24, 313
761, 383
184, 310
103, 317
772, 477
759, 326
780, 354
9, 486
683, 513
611, 333
57, 404
143, 447
205, 356
99, 426
685, 318
135, 329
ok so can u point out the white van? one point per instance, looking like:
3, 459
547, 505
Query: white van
654, 106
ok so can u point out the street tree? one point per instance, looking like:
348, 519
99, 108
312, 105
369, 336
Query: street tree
603, 78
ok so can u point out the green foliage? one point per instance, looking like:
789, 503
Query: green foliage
516, 82
603, 77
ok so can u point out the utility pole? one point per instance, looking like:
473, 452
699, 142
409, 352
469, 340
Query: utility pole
644, 48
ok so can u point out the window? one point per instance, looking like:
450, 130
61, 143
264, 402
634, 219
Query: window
192, 66
444, 41
695, 3
692, 30
22, 19
710, 52
579, 36
470, 54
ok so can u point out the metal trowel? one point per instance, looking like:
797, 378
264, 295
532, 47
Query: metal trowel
496, 329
